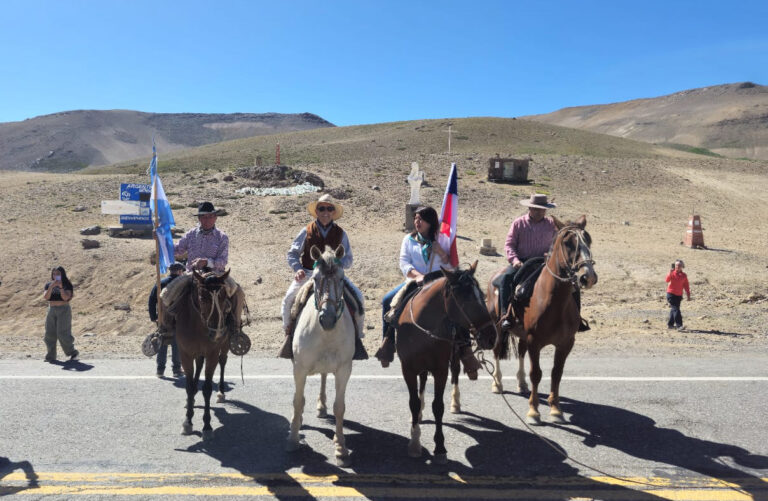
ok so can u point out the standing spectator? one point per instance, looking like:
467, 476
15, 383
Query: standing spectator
175, 270
678, 282
58, 323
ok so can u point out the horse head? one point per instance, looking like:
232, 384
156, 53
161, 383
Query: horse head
465, 304
329, 284
214, 302
571, 250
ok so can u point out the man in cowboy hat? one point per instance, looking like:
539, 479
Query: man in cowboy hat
529, 239
320, 232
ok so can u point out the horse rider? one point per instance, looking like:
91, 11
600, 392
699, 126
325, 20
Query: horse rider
322, 231
421, 257
207, 249
528, 241
174, 271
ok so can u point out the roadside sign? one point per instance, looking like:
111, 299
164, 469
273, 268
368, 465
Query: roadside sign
120, 207
140, 193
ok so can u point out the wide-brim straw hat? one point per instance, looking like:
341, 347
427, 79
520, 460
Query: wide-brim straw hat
325, 199
205, 209
538, 201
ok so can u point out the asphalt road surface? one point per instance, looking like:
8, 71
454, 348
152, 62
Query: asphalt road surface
668, 428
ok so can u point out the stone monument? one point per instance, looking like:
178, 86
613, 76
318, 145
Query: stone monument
415, 178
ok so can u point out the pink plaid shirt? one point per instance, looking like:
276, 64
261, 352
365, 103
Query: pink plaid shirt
527, 239
213, 246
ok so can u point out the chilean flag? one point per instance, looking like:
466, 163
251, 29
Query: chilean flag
448, 215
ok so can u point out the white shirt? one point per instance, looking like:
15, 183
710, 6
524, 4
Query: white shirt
412, 259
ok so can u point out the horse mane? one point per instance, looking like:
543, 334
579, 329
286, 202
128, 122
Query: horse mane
464, 279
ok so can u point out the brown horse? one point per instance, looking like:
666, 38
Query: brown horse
424, 342
551, 317
201, 336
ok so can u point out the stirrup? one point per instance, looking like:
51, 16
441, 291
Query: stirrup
239, 344
151, 344
286, 351
360, 353
386, 353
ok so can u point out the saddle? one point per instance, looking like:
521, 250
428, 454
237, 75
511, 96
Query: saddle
516, 285
351, 302
410, 289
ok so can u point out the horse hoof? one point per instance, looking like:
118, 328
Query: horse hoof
322, 413
534, 420
497, 388
186, 429
440, 458
343, 461
207, 435
557, 418
523, 389
294, 445
220, 398
455, 409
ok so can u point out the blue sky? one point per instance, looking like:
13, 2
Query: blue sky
357, 62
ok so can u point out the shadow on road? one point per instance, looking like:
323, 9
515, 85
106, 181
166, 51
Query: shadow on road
7, 467
72, 365
638, 436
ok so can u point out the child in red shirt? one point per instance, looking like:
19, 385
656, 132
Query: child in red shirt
678, 282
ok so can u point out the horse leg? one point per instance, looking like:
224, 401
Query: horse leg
414, 402
533, 416
341, 377
422, 387
188, 363
522, 386
300, 381
211, 361
561, 353
455, 393
438, 407
496, 385
322, 407
220, 397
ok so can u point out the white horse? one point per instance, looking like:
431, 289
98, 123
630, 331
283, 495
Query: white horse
324, 342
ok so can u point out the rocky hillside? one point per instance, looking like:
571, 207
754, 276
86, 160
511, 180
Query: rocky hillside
72, 140
730, 120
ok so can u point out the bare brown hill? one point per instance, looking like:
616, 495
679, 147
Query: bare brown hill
72, 140
636, 197
730, 120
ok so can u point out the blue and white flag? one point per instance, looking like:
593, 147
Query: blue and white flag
165, 216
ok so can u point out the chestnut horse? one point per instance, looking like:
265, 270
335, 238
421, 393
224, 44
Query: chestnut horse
201, 336
424, 342
551, 317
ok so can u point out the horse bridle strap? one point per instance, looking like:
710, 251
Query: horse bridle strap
576, 265
323, 288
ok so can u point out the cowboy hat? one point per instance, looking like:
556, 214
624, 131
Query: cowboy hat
325, 199
538, 201
206, 208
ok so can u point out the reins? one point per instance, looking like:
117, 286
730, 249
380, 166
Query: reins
576, 264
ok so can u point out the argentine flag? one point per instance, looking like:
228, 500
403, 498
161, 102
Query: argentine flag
165, 216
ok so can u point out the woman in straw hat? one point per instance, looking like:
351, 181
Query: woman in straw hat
321, 232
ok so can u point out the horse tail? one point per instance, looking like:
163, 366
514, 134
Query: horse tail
502, 346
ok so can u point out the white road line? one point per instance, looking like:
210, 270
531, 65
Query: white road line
71, 377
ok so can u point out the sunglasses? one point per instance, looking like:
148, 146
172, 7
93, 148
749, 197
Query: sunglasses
324, 208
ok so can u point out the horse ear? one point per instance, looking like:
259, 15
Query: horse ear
339, 251
197, 275
447, 273
558, 224
473, 267
582, 222
315, 253
225, 275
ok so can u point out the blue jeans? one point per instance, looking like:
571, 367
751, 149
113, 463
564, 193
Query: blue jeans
675, 316
162, 356
386, 305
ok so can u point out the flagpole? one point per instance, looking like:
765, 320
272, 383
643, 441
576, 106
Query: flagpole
157, 252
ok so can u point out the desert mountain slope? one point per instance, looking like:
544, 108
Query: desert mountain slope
636, 197
731, 120
72, 140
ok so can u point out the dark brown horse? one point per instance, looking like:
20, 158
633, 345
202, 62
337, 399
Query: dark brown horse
551, 317
201, 336
424, 342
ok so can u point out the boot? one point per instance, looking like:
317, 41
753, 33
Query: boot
386, 354
360, 353
286, 351
508, 321
470, 363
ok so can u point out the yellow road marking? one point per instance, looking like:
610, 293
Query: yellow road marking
451, 486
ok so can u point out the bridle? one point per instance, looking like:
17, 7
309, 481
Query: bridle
216, 307
575, 264
324, 287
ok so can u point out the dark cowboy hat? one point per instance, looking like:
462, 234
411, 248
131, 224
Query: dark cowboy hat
206, 208
538, 201
177, 266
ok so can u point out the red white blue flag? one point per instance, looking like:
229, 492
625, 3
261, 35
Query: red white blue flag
448, 215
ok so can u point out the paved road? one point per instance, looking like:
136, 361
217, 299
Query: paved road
691, 428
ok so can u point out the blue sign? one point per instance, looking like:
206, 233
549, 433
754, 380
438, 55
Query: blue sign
140, 193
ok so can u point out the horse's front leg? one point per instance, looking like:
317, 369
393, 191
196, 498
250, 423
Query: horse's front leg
522, 347
497, 386
561, 353
341, 378
533, 416
455, 393
414, 403
220, 397
188, 364
422, 387
438, 407
300, 381
211, 361
322, 407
